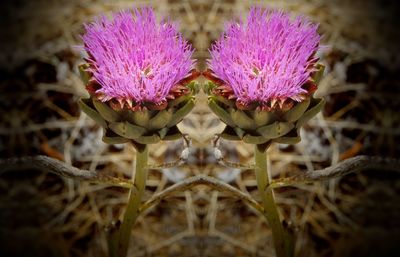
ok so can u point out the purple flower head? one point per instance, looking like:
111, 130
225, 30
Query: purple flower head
266, 59
133, 58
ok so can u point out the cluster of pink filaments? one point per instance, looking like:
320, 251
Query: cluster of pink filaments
267, 60
133, 59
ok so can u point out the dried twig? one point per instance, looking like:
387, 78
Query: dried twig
46, 163
341, 169
60, 168
202, 180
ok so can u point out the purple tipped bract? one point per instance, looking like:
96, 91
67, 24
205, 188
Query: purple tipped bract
266, 59
134, 58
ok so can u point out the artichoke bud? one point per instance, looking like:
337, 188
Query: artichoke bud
263, 89
142, 126
256, 124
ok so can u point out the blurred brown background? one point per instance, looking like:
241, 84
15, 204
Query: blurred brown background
45, 215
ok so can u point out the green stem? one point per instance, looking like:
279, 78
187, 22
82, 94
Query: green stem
132, 209
281, 240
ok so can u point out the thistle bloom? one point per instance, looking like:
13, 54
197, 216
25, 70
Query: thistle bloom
267, 60
263, 75
134, 60
139, 75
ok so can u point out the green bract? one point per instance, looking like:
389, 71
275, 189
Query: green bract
261, 126
139, 127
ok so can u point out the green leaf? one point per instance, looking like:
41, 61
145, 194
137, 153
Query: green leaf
220, 112
179, 114
106, 111
239, 132
193, 86
319, 73
127, 130
290, 138
256, 140
85, 76
208, 87
140, 118
242, 120
287, 140
261, 118
295, 113
110, 138
173, 134
162, 132
85, 105
275, 129
229, 134
172, 137
152, 139
160, 120
316, 106
179, 100
223, 100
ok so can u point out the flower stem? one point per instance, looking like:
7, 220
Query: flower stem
132, 209
283, 247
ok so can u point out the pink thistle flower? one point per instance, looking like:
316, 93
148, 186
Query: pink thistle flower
133, 59
267, 59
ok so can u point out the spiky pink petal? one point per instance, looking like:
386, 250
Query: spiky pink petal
267, 58
135, 58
